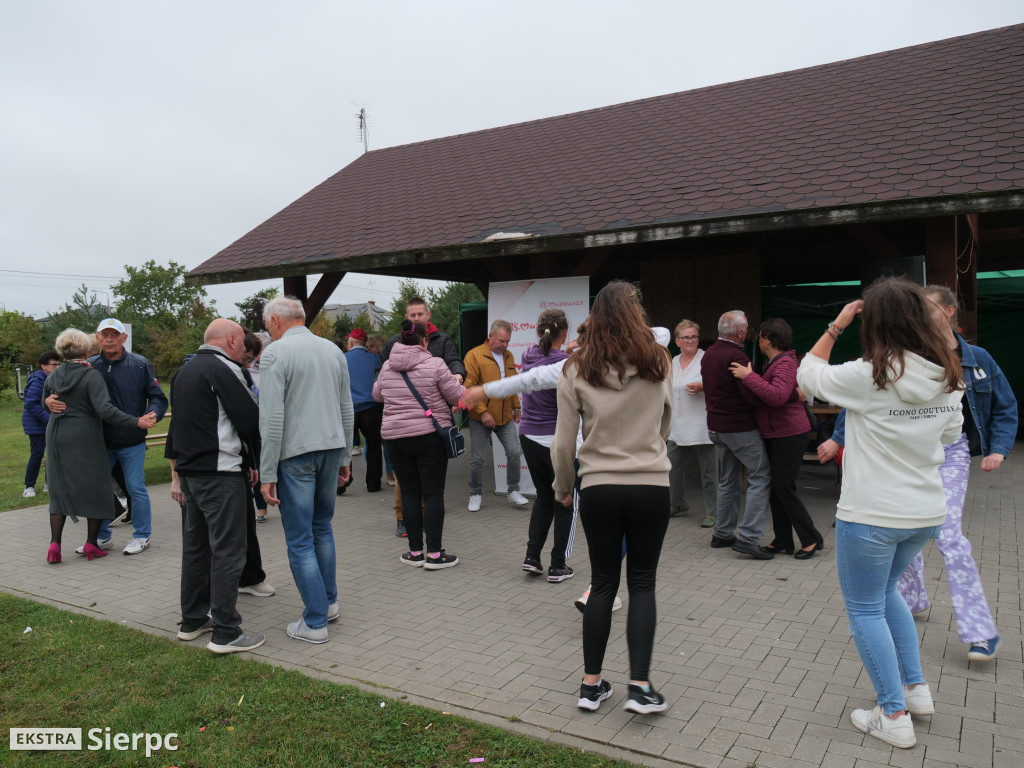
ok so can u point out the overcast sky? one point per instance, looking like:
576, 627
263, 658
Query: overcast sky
132, 131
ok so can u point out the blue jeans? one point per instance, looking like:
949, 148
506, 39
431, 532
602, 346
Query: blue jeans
869, 561
306, 486
133, 464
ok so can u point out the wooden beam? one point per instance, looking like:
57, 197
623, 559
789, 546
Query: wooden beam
295, 287
498, 269
322, 292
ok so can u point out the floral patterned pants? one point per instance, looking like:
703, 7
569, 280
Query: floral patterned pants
973, 618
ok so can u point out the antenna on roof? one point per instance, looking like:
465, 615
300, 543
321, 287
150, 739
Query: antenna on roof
364, 129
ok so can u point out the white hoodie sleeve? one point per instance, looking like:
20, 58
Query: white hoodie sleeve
848, 385
541, 377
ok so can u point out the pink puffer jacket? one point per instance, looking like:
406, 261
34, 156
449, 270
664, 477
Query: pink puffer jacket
403, 416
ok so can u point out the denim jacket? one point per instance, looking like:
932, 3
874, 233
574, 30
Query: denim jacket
990, 398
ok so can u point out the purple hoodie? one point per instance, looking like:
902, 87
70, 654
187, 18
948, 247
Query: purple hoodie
540, 409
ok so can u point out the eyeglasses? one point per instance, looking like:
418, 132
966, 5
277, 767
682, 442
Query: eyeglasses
687, 338
53, 362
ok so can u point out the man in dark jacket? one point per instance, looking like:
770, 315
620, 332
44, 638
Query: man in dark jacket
210, 444
438, 344
34, 418
738, 444
133, 389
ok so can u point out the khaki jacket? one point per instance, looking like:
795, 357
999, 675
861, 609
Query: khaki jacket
481, 367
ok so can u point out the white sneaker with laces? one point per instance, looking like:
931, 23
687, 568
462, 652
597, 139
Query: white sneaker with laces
135, 546
475, 500
919, 700
28, 493
103, 544
515, 497
258, 590
873, 722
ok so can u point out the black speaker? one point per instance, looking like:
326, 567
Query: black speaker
472, 329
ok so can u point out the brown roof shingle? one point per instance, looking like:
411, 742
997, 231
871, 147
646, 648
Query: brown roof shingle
931, 120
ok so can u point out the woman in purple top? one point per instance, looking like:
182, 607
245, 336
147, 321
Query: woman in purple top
536, 431
784, 427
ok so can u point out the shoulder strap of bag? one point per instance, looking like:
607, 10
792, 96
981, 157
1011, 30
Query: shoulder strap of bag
426, 410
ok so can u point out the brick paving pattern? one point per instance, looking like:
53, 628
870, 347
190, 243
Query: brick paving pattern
754, 657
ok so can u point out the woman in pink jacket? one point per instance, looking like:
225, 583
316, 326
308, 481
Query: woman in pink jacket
417, 453
784, 427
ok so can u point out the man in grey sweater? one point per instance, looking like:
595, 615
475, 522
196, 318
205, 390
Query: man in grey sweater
305, 418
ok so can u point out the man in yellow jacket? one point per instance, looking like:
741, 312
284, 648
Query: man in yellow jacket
492, 361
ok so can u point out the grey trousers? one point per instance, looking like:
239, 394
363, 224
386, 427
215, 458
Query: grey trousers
681, 456
479, 437
213, 553
735, 450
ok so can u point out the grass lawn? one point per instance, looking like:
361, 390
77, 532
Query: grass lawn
14, 457
71, 671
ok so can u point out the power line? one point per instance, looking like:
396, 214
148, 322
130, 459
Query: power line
59, 275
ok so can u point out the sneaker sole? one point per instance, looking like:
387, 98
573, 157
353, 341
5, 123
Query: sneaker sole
556, 579
223, 649
581, 605
590, 705
533, 569
186, 636
139, 552
975, 656
315, 641
644, 709
439, 566
254, 593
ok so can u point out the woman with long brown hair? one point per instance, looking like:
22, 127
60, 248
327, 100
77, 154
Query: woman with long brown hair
619, 383
902, 400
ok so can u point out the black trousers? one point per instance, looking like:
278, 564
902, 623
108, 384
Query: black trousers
253, 572
213, 552
638, 513
545, 509
421, 465
785, 454
368, 422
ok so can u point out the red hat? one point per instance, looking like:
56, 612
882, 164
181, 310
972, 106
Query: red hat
358, 334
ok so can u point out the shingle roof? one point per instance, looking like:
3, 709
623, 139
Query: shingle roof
943, 118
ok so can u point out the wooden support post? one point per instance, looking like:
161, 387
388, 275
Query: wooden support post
951, 259
322, 292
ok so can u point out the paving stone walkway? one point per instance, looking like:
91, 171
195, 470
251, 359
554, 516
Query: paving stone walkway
754, 657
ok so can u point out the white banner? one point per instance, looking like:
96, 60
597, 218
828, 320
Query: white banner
521, 302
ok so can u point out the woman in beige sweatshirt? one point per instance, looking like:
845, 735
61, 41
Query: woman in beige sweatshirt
620, 385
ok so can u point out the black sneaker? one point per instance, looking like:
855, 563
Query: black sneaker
443, 560
416, 561
644, 702
719, 543
400, 531
533, 564
591, 696
558, 573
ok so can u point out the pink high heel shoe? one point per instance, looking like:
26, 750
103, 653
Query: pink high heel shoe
90, 551
53, 553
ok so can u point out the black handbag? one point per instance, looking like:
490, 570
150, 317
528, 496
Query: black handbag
453, 439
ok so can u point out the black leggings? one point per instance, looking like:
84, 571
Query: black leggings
786, 455
545, 508
640, 514
421, 465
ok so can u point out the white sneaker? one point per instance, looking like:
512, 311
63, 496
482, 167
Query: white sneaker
136, 545
300, 631
333, 612
919, 700
475, 500
515, 497
581, 602
258, 590
46, 488
898, 732
28, 493
103, 544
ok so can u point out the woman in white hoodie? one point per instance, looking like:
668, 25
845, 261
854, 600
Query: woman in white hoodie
903, 401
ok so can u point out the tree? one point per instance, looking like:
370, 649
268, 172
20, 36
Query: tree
343, 326
20, 342
444, 306
406, 290
158, 304
322, 325
252, 308
84, 313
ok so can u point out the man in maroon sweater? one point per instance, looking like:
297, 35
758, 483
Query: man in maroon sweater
733, 430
